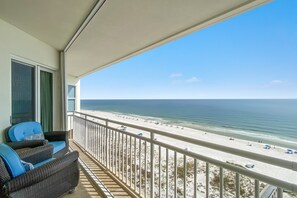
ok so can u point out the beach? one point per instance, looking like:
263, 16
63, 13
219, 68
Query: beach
256, 147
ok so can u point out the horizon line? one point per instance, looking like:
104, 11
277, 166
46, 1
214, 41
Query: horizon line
188, 99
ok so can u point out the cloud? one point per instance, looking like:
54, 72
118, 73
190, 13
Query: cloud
277, 82
175, 75
193, 79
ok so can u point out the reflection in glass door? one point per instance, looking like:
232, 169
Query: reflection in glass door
23, 92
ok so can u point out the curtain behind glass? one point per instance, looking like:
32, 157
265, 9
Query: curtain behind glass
46, 101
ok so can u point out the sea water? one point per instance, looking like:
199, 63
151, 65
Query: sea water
272, 121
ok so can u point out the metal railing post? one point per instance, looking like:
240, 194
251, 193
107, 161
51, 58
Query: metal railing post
105, 145
207, 180
86, 132
257, 186
74, 128
221, 182
279, 193
237, 185
152, 166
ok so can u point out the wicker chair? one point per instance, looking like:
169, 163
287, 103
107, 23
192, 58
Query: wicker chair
18, 133
33, 151
49, 179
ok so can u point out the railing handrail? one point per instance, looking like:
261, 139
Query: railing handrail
247, 172
259, 176
92, 122
242, 153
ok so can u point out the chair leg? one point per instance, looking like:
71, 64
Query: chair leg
71, 191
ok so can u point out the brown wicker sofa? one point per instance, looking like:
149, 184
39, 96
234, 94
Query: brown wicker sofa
33, 151
48, 180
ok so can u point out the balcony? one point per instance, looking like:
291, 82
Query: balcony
181, 166
74, 41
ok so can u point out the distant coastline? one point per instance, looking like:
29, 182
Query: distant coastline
270, 121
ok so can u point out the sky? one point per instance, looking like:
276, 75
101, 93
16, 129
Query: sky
253, 55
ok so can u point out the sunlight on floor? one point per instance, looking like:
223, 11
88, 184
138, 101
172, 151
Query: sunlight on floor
84, 189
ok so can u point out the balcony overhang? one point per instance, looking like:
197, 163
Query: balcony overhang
53, 22
119, 29
122, 29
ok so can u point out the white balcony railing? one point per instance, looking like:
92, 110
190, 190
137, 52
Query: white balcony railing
132, 155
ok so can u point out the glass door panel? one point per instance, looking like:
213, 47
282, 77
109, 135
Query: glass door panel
46, 100
23, 92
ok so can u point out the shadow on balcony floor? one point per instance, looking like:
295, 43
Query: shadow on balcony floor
84, 189
114, 188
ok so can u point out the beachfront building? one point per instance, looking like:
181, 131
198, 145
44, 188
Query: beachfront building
47, 46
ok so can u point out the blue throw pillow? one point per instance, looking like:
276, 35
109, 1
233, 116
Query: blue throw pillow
38, 136
28, 166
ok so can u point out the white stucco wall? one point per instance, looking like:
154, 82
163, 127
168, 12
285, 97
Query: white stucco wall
16, 43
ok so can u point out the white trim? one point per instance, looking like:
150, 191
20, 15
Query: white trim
22, 62
39, 69
37, 94
29, 61
63, 90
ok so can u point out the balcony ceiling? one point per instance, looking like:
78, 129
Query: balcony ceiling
51, 21
120, 29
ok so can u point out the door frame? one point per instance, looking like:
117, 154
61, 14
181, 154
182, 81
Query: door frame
37, 68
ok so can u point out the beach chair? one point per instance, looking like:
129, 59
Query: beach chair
290, 151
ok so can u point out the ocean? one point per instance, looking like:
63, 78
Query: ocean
272, 121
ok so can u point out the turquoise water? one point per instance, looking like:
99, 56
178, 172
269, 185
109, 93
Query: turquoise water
270, 121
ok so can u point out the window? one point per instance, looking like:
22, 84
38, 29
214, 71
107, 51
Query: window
71, 98
23, 92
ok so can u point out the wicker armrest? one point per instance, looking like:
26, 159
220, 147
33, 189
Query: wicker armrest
41, 173
36, 155
26, 143
56, 136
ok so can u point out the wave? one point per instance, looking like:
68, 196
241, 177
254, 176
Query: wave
260, 136
269, 121
255, 135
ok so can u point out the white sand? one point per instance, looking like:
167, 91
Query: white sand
277, 152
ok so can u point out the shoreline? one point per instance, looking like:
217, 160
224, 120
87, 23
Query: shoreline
261, 138
256, 147
171, 124
248, 136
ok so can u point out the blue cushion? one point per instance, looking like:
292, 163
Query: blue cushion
44, 162
11, 160
58, 145
19, 131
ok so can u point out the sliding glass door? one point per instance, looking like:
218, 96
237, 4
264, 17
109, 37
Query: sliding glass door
23, 92
32, 94
46, 100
